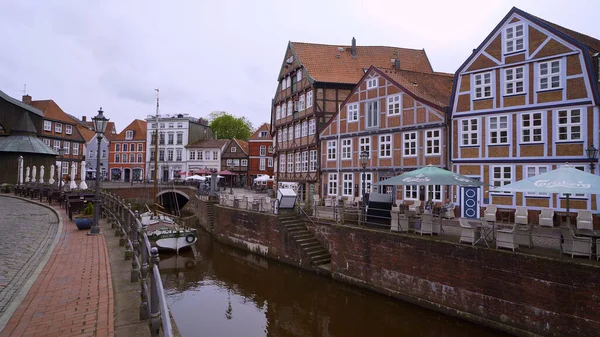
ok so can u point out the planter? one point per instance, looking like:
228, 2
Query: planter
83, 221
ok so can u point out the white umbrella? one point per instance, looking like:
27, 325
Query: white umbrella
42, 174
33, 174
20, 170
73, 184
195, 177
27, 175
51, 180
82, 184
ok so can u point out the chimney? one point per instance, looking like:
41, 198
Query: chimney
84, 119
353, 47
397, 63
26, 99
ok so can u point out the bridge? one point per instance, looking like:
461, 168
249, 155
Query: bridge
171, 197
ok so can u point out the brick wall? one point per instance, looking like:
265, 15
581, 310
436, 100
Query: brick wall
508, 291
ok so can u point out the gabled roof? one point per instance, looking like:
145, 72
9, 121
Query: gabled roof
109, 133
256, 135
212, 143
20, 104
51, 110
587, 40
328, 63
86, 133
433, 88
241, 144
138, 127
24, 139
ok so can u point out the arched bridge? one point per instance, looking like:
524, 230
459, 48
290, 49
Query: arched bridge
172, 197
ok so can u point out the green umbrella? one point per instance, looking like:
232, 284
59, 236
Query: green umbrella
431, 175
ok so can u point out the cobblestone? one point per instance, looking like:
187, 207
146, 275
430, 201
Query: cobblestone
27, 233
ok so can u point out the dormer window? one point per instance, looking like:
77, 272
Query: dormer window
372, 83
129, 134
514, 38
263, 134
233, 149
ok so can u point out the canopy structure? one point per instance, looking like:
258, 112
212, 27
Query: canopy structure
195, 177
227, 173
430, 175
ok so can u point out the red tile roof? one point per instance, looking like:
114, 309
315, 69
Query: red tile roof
264, 127
582, 38
243, 145
326, 63
212, 143
138, 127
435, 88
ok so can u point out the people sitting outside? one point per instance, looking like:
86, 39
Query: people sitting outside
429, 206
446, 207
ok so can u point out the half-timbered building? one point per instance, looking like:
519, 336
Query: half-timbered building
235, 159
524, 103
313, 81
398, 118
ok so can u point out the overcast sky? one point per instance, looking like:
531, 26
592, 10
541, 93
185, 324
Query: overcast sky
223, 55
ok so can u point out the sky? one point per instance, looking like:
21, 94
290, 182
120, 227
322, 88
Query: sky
223, 55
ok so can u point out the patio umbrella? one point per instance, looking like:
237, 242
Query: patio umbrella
203, 171
565, 179
82, 184
33, 174
20, 170
27, 175
51, 180
195, 177
231, 174
430, 175
73, 184
42, 174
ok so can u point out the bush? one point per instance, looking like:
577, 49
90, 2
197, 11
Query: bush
6, 188
89, 209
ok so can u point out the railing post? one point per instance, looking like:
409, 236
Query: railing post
342, 211
135, 268
144, 276
128, 226
154, 304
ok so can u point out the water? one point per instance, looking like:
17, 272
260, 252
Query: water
221, 291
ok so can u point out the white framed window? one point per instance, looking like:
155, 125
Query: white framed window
298, 131
433, 192
299, 75
569, 125
139, 158
498, 130
313, 161
290, 132
372, 114
312, 126
179, 138
289, 82
366, 181
67, 147
410, 144
169, 155
200, 155
290, 161
269, 162
332, 184
117, 158
47, 126
501, 175
372, 83
469, 132
385, 146
128, 134
180, 124
394, 104
301, 103
365, 145
233, 149
75, 149
58, 127
125, 147
278, 113
170, 137
532, 127
304, 128
282, 163
305, 161
298, 162
263, 150
283, 84
411, 192
347, 149
229, 162
514, 81
132, 158
192, 155
178, 155
215, 155
432, 142
532, 171
331, 149
262, 134
348, 184
69, 129
279, 136
514, 38
262, 164
207, 155
290, 107
309, 99
140, 147
482, 85
549, 75
117, 147
284, 135
283, 110
353, 112
47, 141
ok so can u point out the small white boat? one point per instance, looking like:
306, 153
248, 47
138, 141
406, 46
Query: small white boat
165, 234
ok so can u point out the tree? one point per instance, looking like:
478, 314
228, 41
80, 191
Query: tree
226, 126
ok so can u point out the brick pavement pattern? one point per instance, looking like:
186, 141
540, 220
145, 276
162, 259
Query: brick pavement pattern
73, 295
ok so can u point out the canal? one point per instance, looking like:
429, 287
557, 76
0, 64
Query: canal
221, 291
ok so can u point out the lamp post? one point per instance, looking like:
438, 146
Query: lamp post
592, 154
100, 123
61, 153
364, 159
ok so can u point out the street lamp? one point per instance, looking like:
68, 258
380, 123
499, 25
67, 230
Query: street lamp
364, 159
61, 153
592, 154
100, 123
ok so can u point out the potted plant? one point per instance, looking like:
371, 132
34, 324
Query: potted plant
84, 220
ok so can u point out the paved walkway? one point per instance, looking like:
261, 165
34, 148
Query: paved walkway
73, 295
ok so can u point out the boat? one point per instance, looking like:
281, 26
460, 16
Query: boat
162, 229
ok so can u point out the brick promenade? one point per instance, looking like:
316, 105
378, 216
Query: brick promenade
73, 294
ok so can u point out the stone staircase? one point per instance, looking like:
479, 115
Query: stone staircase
210, 214
295, 227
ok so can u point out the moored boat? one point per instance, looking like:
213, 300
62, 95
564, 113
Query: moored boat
166, 234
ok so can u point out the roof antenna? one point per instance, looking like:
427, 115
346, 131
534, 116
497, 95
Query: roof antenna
24, 89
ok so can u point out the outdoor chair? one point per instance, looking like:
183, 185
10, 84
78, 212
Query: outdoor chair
243, 203
403, 223
506, 238
394, 222
449, 214
521, 215
575, 245
490, 213
415, 207
428, 226
584, 220
329, 201
523, 235
317, 200
546, 217
469, 234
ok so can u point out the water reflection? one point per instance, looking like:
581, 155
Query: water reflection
230, 293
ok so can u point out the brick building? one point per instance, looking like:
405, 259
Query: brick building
398, 117
235, 159
313, 81
127, 157
524, 102
260, 147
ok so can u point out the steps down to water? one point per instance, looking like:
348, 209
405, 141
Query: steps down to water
295, 227
210, 214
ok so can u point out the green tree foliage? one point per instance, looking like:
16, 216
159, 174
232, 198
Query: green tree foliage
226, 126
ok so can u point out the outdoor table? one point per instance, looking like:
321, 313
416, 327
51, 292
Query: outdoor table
506, 215
565, 218
487, 233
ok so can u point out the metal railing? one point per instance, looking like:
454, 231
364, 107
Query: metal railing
144, 262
